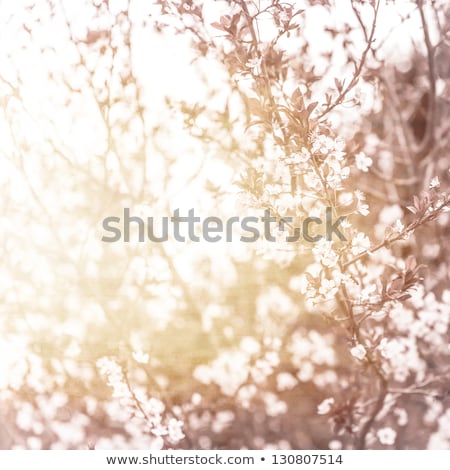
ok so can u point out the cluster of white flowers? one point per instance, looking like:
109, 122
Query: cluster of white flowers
324, 162
229, 371
402, 358
360, 243
316, 284
115, 379
440, 440
324, 254
304, 179
232, 368
320, 169
139, 413
246, 394
424, 322
286, 381
274, 406
433, 320
313, 355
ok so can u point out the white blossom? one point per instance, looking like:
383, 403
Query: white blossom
361, 208
253, 63
286, 381
325, 406
358, 351
402, 416
360, 243
328, 288
141, 357
175, 430
363, 162
435, 183
386, 436
335, 445
325, 254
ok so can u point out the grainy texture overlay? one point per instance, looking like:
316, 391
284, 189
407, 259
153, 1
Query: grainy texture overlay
223, 224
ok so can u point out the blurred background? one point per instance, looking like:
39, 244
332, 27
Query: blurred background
114, 104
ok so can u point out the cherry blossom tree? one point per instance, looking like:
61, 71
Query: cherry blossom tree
333, 337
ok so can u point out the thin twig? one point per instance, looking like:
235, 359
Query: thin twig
358, 69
